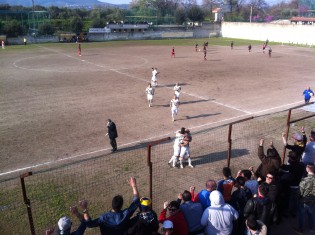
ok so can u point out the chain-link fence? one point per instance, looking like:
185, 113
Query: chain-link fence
51, 190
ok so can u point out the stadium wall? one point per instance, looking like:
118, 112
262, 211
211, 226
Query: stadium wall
296, 34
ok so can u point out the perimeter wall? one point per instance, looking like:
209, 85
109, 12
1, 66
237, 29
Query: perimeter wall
286, 33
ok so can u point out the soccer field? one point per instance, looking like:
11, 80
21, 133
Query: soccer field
54, 104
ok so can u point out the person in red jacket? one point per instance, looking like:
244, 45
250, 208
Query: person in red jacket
176, 216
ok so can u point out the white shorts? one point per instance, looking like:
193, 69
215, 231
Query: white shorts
149, 97
174, 111
184, 152
177, 94
176, 150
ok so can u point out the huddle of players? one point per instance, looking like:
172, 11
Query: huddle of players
181, 149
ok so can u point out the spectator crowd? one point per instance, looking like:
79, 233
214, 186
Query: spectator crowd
249, 203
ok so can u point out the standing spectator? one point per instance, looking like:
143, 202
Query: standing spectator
196, 47
116, 221
225, 185
112, 134
307, 93
239, 199
204, 52
251, 184
177, 88
260, 206
2, 44
174, 104
150, 93
145, 222
25, 41
299, 142
204, 195
173, 53
192, 212
219, 217
308, 156
307, 204
176, 216
291, 175
270, 162
232, 45
167, 227
255, 227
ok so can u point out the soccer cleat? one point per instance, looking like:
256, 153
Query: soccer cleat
181, 166
191, 166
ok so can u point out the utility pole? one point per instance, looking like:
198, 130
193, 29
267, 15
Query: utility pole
251, 12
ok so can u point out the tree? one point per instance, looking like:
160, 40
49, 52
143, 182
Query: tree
13, 28
45, 29
195, 14
180, 15
98, 23
76, 24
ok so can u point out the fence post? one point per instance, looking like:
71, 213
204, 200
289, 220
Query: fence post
230, 145
27, 202
149, 162
287, 133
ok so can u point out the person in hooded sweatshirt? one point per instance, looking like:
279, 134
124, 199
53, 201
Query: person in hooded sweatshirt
218, 218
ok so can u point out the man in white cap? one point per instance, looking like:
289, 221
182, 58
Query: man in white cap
167, 227
65, 223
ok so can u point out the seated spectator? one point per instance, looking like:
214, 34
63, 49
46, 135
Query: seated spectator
192, 212
259, 206
251, 184
116, 221
167, 227
203, 196
219, 217
308, 157
176, 216
225, 185
269, 163
65, 223
255, 227
299, 143
239, 199
145, 222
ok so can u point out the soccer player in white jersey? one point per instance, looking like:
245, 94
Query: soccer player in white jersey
174, 107
150, 93
177, 88
184, 155
179, 136
154, 76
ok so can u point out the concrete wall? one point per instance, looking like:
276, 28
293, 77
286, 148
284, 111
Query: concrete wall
30, 39
297, 34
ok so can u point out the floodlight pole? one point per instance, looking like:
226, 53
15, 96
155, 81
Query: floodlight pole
251, 12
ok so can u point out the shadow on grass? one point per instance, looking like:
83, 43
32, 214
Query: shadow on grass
218, 156
200, 116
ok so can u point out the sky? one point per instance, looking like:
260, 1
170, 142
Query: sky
199, 1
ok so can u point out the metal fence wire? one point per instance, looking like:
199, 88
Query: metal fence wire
52, 189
